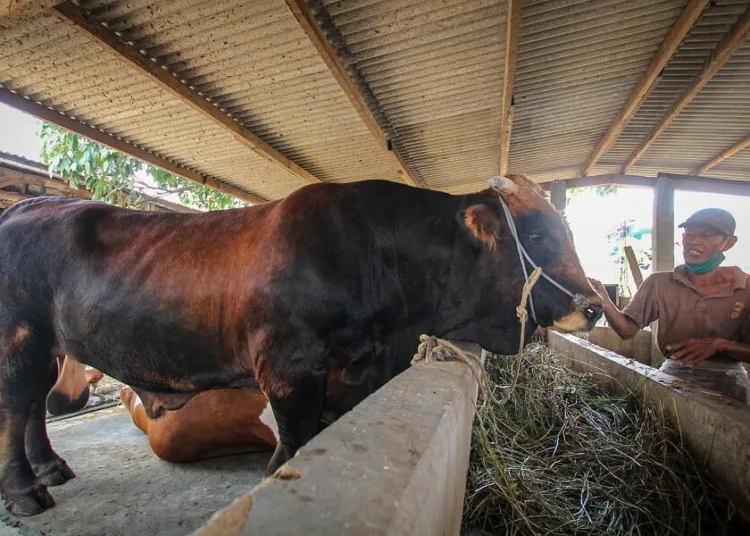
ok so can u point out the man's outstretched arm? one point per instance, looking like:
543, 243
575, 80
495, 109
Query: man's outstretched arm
623, 325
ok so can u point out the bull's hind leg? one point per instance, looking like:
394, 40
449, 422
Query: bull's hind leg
297, 402
50, 468
25, 355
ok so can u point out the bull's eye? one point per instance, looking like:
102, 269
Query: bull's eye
537, 237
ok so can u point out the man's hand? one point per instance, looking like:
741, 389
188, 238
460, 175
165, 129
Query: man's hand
693, 351
599, 288
622, 325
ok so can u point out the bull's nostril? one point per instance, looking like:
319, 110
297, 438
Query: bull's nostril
593, 312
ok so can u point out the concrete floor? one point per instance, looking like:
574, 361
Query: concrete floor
123, 489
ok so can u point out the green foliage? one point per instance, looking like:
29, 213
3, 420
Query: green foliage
604, 191
111, 176
601, 191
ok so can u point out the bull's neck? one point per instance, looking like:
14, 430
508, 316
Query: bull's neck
417, 252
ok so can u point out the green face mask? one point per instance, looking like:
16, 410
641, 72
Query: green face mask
710, 264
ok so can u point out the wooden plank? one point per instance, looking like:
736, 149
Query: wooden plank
722, 156
123, 51
711, 185
718, 58
19, 177
633, 264
604, 180
512, 29
6, 181
15, 11
14, 197
68, 123
36, 175
647, 82
317, 37
690, 183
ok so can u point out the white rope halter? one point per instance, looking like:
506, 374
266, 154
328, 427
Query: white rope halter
579, 300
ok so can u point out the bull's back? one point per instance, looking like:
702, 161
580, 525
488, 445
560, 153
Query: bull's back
146, 297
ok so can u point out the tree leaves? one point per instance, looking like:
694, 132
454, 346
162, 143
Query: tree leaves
118, 179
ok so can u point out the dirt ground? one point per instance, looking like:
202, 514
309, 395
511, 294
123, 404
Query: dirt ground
123, 489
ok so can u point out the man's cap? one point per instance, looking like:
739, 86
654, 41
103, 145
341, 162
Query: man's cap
718, 219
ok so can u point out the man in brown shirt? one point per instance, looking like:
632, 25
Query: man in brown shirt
703, 309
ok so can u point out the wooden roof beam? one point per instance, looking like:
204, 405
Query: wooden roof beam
604, 180
77, 127
317, 37
718, 58
689, 183
648, 81
13, 176
73, 14
716, 160
710, 185
512, 29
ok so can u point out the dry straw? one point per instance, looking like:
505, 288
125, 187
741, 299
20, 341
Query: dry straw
563, 457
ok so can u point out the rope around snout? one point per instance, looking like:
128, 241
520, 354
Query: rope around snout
432, 349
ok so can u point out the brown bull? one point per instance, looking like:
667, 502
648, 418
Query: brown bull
315, 300
214, 423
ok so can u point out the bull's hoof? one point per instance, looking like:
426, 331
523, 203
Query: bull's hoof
35, 500
55, 473
281, 455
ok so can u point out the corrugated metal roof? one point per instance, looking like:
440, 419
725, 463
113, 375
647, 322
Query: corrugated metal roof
717, 118
736, 167
578, 62
251, 59
436, 70
431, 71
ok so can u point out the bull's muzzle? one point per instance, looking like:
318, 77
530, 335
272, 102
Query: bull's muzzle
582, 317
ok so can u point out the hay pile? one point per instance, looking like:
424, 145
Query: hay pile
563, 457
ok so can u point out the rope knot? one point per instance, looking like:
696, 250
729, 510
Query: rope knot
432, 349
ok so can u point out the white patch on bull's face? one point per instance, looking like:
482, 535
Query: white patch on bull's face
575, 321
137, 402
267, 418
503, 185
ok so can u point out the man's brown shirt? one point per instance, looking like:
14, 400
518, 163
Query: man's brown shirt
683, 313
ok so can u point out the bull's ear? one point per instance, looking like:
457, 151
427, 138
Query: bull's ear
483, 224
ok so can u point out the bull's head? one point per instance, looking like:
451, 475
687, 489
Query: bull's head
545, 235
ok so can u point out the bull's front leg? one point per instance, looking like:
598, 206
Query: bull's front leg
297, 399
49, 467
25, 354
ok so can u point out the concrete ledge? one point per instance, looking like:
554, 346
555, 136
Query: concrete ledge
637, 348
715, 428
394, 465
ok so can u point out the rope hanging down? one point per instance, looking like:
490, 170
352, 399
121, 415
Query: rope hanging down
432, 348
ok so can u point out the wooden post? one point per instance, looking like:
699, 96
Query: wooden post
662, 246
557, 195
663, 231
633, 264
